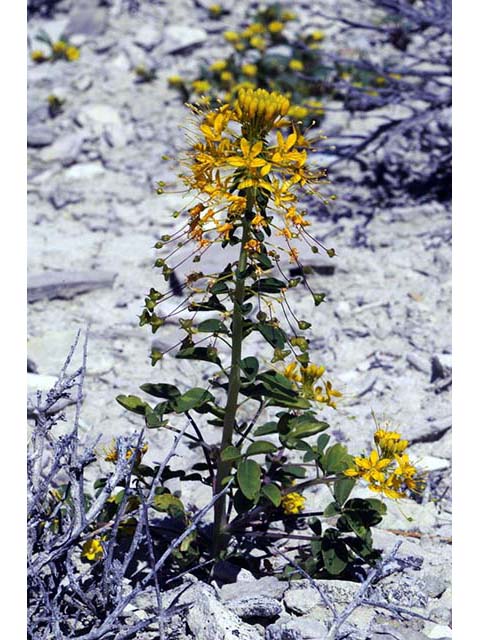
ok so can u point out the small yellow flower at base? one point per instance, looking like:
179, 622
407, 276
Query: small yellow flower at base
59, 47
249, 70
175, 81
38, 56
297, 112
201, 86
258, 42
253, 246
288, 15
293, 503
276, 26
92, 550
218, 65
316, 36
72, 53
231, 36
215, 10
296, 65
226, 76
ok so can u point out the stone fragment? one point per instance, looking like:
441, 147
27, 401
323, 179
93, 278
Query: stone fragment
97, 116
301, 599
87, 20
61, 196
297, 629
255, 607
266, 586
83, 83
66, 284
66, 149
418, 362
39, 136
209, 619
180, 37
147, 37
84, 171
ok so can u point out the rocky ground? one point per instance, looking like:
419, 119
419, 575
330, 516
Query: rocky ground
383, 334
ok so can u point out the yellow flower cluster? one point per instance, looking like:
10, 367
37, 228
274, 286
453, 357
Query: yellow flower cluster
242, 148
293, 503
387, 469
306, 380
111, 454
60, 50
92, 550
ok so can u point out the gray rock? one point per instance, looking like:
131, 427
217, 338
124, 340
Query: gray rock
97, 116
434, 585
395, 631
83, 83
301, 598
148, 37
281, 50
118, 136
87, 20
297, 629
418, 362
267, 586
66, 149
39, 136
66, 284
209, 619
61, 196
179, 37
255, 607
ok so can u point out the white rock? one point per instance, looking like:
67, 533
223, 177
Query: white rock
147, 37
36, 382
84, 171
178, 37
431, 463
209, 619
118, 136
97, 116
83, 83
439, 631
66, 149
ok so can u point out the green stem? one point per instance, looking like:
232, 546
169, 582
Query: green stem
221, 538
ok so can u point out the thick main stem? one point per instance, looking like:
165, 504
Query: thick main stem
224, 468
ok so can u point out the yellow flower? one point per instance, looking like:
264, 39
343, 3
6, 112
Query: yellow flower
175, 81
201, 86
59, 47
92, 550
215, 10
38, 56
253, 246
395, 76
288, 15
276, 26
231, 36
298, 112
293, 503
239, 46
258, 42
111, 454
72, 53
316, 36
249, 70
380, 81
370, 469
249, 158
296, 65
218, 65
226, 76
390, 442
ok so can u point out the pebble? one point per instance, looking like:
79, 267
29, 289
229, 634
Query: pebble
84, 171
148, 37
66, 148
98, 116
87, 20
39, 136
180, 37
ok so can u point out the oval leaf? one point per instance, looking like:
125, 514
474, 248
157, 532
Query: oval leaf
249, 478
261, 446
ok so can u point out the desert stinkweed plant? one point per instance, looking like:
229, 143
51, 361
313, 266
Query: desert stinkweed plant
59, 50
245, 175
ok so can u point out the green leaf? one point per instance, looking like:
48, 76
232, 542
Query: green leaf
336, 459
318, 298
249, 478
169, 504
305, 426
153, 419
265, 429
273, 493
322, 442
331, 509
162, 390
294, 470
212, 326
230, 453
273, 335
342, 489
268, 285
334, 552
132, 403
260, 446
192, 399
249, 366
207, 354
